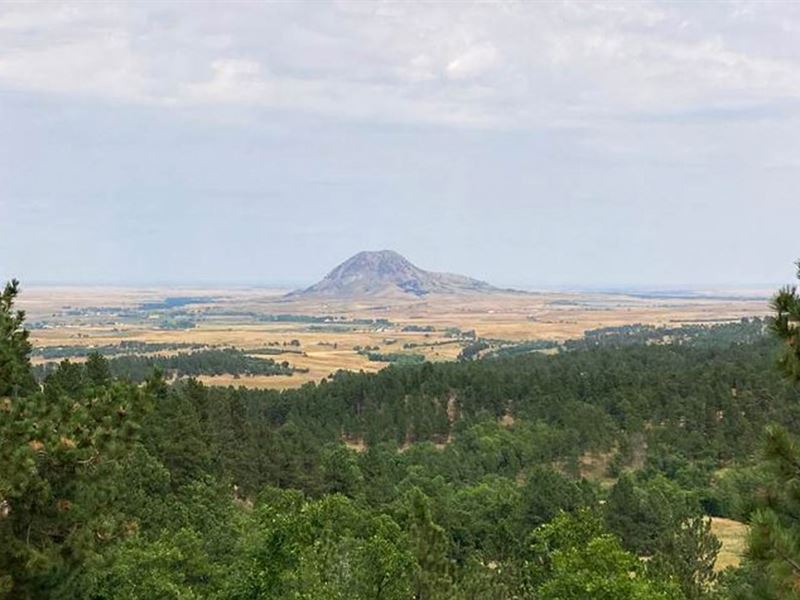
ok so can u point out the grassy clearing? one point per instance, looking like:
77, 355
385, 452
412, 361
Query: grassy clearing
733, 536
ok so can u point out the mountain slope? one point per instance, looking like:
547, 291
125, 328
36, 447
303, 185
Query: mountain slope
386, 272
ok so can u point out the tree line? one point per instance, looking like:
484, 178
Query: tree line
451, 480
209, 361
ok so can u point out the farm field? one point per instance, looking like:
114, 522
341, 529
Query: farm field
318, 338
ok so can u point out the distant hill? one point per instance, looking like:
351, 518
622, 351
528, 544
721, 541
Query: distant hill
387, 273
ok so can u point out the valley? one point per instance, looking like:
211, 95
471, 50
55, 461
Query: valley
320, 336
399, 300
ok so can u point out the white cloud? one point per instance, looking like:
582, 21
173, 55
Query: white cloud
489, 65
472, 63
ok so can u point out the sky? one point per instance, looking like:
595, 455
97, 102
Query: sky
529, 144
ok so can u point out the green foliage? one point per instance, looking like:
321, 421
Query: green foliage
15, 369
108, 350
467, 483
745, 331
402, 358
547, 492
774, 541
175, 434
485, 518
657, 519
174, 566
580, 560
189, 364
472, 350
786, 326
58, 463
642, 514
600, 570
321, 549
60, 455
429, 545
687, 556
341, 472
773, 568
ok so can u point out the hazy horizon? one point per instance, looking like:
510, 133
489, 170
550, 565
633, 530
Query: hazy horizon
546, 145
611, 287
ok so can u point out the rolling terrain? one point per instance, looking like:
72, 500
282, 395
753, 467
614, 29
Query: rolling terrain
374, 309
318, 337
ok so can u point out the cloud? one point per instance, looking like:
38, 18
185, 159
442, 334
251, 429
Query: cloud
509, 65
472, 63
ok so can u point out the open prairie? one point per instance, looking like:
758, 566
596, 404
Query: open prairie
318, 338
733, 536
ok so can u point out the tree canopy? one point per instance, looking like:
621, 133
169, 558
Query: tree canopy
591, 473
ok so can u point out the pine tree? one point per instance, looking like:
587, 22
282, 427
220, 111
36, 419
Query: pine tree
786, 325
774, 541
97, 369
429, 544
59, 452
16, 377
687, 555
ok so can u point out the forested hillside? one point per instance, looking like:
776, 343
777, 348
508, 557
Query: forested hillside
589, 473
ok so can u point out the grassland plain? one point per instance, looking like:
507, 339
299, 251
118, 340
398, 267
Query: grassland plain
243, 318
733, 537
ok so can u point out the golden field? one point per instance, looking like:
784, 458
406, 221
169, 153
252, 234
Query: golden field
733, 536
90, 316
